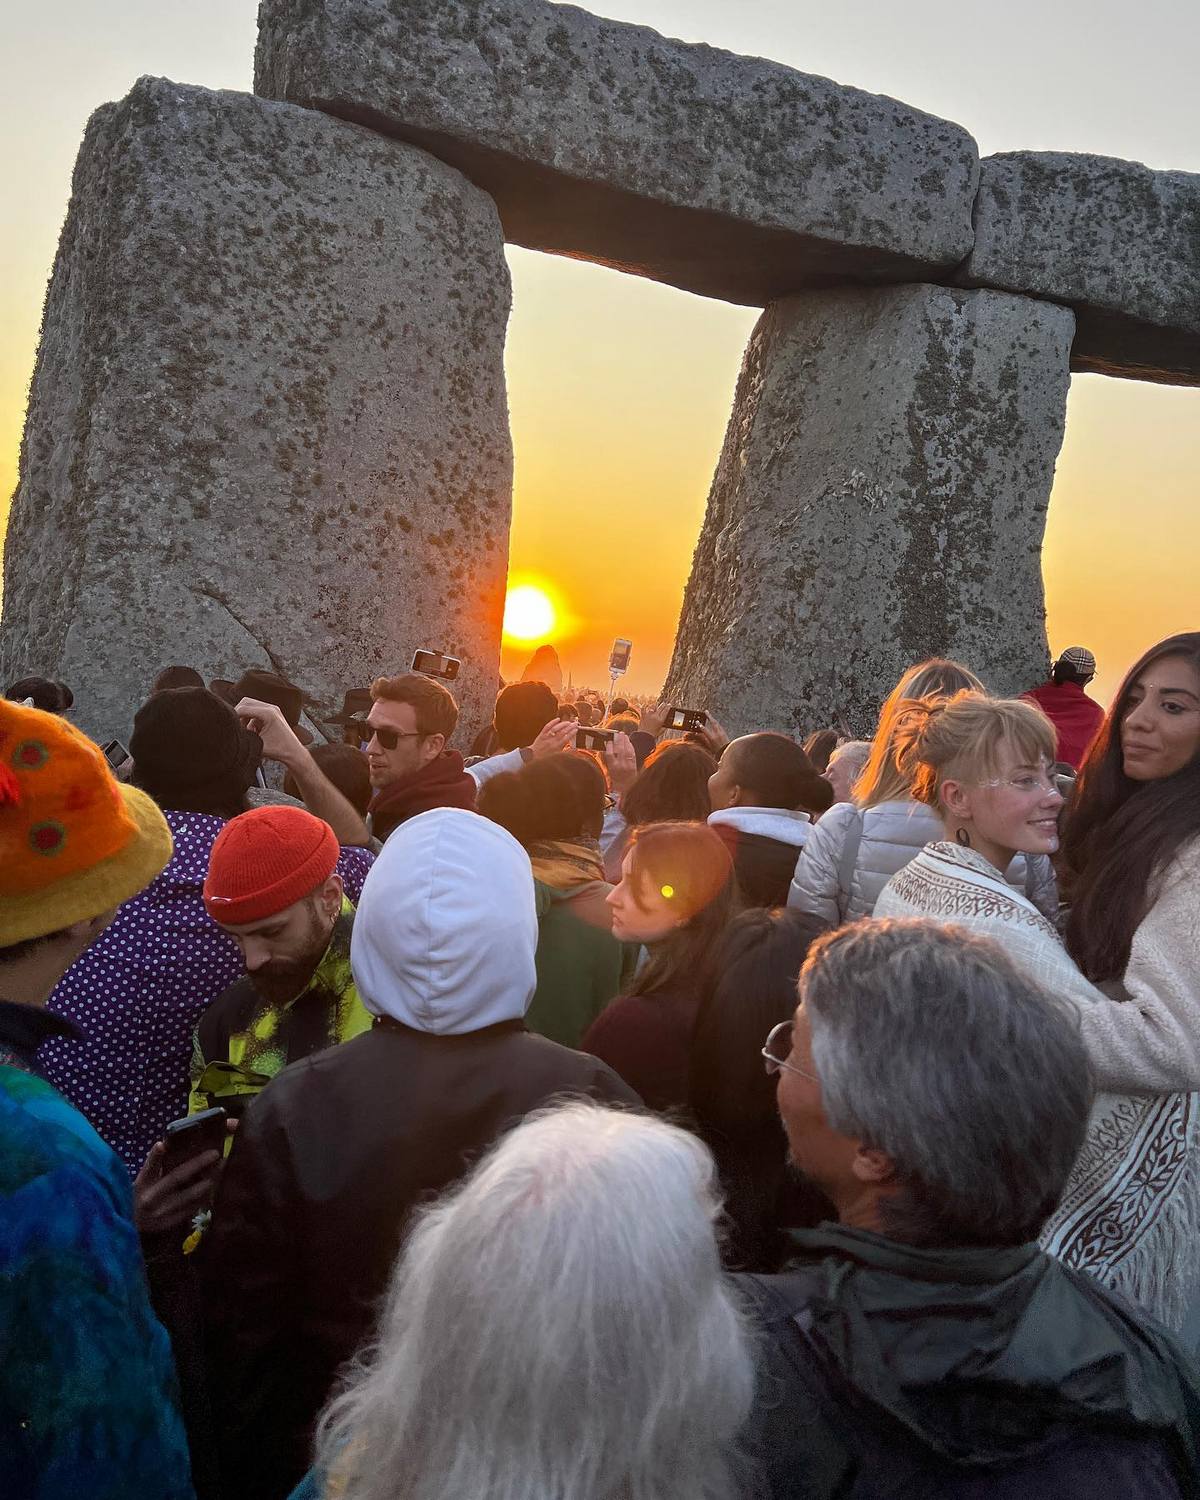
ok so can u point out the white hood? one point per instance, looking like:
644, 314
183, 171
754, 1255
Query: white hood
768, 822
446, 928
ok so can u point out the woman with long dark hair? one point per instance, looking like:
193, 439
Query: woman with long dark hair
1133, 830
675, 897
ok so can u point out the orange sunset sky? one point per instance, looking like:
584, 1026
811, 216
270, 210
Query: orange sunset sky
619, 389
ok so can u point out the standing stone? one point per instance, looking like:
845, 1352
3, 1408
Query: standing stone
880, 498
268, 424
1114, 240
729, 176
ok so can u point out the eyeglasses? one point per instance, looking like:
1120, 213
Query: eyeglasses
778, 1048
1027, 782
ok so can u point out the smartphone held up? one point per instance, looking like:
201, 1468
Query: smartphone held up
436, 664
690, 720
618, 657
594, 739
193, 1136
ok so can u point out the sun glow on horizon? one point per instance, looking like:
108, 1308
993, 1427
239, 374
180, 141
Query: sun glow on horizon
529, 614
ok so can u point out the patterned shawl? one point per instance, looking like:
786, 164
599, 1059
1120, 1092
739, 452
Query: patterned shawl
566, 863
1130, 1215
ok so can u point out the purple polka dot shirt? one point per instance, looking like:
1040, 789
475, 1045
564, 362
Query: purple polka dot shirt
138, 991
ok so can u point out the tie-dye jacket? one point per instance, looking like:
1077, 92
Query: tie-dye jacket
88, 1403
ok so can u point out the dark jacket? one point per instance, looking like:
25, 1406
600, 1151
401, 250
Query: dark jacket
764, 844
327, 1165
442, 783
890, 1372
647, 1039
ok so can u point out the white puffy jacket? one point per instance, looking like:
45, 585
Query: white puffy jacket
852, 853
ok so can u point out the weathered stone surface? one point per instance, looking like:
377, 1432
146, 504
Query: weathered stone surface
1114, 240
268, 422
729, 176
880, 498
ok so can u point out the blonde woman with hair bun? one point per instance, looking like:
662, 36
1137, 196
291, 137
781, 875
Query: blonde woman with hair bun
1131, 1214
857, 846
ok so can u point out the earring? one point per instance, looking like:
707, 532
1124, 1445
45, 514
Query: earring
961, 836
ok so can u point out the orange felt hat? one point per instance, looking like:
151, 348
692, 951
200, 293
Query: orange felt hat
74, 842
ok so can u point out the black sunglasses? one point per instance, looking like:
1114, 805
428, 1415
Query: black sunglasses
388, 738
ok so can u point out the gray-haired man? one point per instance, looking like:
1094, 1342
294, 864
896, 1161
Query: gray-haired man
924, 1344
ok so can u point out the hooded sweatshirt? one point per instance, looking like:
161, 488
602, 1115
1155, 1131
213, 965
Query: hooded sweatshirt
445, 935
900, 1371
337, 1150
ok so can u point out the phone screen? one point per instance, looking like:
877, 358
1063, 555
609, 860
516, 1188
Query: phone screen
618, 661
690, 719
115, 754
194, 1136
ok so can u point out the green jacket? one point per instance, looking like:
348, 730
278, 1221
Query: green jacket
885, 1363
580, 965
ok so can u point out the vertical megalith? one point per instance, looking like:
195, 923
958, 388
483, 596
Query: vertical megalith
267, 425
881, 497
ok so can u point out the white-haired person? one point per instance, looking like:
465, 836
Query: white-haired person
557, 1328
846, 765
859, 844
925, 1344
1131, 1210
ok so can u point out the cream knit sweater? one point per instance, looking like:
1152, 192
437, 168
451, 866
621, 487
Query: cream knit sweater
1147, 1044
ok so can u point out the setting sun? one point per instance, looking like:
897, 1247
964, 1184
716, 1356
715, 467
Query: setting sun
528, 614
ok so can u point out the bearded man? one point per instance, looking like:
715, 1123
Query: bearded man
273, 887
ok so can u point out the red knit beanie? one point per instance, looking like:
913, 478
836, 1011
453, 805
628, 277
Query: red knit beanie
265, 860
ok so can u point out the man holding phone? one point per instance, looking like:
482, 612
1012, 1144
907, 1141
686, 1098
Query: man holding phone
87, 1384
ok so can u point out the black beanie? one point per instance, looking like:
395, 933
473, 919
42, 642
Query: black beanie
192, 751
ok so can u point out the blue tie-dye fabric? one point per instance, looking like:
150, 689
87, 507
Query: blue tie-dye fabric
88, 1402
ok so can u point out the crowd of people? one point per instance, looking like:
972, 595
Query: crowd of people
638, 1115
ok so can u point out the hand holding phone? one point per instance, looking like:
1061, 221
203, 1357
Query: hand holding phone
177, 1180
192, 1137
593, 739
690, 720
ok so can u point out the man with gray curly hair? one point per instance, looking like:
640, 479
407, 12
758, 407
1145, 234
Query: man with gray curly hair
924, 1344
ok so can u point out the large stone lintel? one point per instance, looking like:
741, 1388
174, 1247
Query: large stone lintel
1114, 240
729, 176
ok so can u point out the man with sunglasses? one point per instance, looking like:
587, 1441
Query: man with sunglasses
404, 736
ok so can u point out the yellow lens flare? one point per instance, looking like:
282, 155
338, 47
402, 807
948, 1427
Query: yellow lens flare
528, 614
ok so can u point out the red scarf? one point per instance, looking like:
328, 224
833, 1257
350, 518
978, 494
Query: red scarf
442, 783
